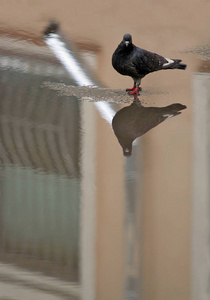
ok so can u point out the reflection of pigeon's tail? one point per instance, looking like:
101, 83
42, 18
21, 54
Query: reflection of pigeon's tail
174, 109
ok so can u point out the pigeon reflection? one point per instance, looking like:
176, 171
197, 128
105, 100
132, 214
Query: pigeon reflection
135, 120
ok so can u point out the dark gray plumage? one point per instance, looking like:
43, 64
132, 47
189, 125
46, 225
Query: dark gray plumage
136, 62
135, 120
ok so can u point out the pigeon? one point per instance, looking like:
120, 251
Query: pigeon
135, 62
135, 120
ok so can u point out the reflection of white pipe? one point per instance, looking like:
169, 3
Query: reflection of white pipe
72, 65
67, 58
105, 110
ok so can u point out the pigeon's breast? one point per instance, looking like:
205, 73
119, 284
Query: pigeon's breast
124, 65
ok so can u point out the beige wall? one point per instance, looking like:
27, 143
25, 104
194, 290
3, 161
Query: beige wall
161, 26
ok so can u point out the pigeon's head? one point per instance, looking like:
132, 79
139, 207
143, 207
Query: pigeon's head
127, 39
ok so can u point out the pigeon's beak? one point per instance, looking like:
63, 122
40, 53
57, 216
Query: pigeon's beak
126, 43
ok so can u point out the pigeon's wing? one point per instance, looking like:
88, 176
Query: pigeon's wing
146, 61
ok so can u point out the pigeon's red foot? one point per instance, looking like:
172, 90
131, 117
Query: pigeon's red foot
134, 91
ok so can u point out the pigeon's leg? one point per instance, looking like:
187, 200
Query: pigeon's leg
132, 89
136, 88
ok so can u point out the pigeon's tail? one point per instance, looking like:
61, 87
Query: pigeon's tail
181, 66
174, 64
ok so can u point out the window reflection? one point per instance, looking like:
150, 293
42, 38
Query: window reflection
40, 169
